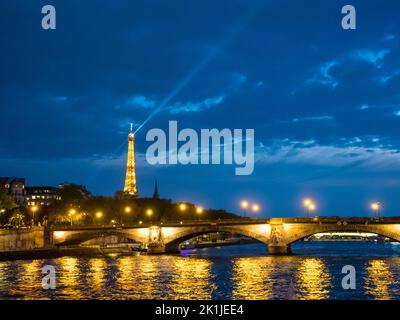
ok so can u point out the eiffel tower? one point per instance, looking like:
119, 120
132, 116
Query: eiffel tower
130, 178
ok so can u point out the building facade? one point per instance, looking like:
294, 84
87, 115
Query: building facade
42, 196
15, 187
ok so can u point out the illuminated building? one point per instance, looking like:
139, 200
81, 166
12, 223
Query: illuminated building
15, 187
42, 196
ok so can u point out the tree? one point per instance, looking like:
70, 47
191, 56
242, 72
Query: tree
6, 201
17, 219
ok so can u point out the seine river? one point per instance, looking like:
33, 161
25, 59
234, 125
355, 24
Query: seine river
237, 272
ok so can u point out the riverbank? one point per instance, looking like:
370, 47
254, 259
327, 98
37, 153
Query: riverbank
49, 253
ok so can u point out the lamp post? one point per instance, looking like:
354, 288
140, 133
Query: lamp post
309, 205
99, 215
127, 210
149, 213
33, 209
255, 208
199, 211
376, 208
71, 214
244, 205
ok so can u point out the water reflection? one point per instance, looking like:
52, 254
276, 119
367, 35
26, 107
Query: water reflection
96, 274
230, 273
250, 279
191, 278
137, 277
313, 280
68, 281
26, 280
378, 280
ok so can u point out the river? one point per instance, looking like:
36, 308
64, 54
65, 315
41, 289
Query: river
236, 272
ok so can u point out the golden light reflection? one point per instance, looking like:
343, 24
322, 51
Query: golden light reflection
96, 276
313, 279
191, 278
27, 279
138, 285
249, 277
68, 278
379, 278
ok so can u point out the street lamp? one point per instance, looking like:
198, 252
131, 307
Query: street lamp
70, 214
127, 210
99, 215
33, 209
255, 208
183, 207
149, 213
199, 211
309, 205
376, 208
244, 205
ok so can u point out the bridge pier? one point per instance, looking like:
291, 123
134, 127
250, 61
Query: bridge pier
158, 248
279, 250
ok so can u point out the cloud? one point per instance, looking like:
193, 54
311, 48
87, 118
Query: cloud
372, 56
316, 118
390, 75
309, 152
60, 99
196, 106
323, 75
389, 37
141, 102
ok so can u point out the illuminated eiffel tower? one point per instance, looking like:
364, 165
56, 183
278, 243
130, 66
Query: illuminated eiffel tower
130, 179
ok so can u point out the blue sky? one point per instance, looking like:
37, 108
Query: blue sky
324, 102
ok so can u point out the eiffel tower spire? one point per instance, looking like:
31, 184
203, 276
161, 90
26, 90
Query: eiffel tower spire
130, 179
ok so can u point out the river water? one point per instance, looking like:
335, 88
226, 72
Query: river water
236, 272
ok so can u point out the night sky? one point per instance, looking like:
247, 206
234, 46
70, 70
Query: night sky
324, 102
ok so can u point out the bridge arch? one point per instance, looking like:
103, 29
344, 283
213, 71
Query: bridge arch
301, 232
76, 237
172, 239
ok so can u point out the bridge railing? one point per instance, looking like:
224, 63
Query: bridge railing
320, 219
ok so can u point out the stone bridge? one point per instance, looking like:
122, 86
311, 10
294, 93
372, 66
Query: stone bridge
278, 234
